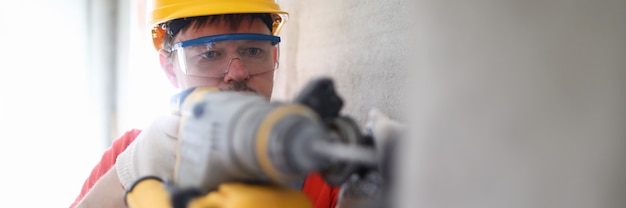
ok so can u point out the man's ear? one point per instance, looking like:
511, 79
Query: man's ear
168, 67
276, 56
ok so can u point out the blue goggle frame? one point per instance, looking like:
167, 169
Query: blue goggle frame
216, 38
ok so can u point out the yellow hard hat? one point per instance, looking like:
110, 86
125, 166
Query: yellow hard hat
166, 10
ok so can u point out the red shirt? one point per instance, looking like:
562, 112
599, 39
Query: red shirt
321, 194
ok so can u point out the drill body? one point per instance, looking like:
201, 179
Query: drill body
231, 138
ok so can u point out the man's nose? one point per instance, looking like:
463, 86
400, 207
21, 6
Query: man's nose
236, 70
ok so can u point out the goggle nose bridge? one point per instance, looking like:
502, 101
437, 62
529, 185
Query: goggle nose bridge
230, 61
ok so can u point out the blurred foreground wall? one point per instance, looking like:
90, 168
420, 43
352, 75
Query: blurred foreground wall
517, 104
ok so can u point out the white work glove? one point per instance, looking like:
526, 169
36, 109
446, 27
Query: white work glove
383, 128
152, 153
386, 133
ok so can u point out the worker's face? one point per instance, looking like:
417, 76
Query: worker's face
237, 76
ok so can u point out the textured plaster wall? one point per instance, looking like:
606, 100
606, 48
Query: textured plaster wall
359, 43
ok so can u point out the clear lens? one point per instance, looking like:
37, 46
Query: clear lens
206, 57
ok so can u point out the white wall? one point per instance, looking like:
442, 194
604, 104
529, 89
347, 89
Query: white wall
48, 146
360, 44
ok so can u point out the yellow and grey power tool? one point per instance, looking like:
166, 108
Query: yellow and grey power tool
256, 149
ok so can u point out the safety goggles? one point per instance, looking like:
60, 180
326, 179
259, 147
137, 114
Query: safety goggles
212, 56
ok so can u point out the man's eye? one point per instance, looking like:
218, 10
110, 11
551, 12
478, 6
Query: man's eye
252, 51
209, 54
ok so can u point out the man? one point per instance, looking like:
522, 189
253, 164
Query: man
226, 44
